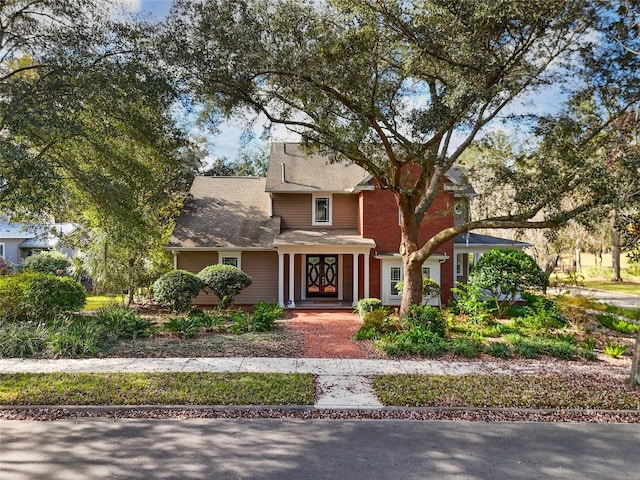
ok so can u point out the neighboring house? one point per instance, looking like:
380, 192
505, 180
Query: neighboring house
19, 241
314, 233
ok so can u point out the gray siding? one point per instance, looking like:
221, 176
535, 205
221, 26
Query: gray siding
11, 250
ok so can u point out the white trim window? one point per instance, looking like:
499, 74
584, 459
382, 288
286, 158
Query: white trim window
1, 250
230, 258
395, 275
459, 264
322, 209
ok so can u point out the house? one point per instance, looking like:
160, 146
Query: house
314, 233
19, 241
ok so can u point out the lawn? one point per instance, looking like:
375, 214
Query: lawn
94, 302
621, 287
506, 391
167, 388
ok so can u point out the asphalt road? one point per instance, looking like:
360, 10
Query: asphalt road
321, 449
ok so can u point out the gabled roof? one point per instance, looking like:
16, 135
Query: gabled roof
314, 173
309, 173
36, 235
226, 212
477, 240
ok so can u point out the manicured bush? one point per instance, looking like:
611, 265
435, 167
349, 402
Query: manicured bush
225, 282
427, 317
502, 274
53, 263
366, 305
177, 289
48, 295
12, 289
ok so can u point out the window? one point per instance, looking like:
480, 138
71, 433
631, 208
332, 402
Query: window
459, 264
229, 261
321, 210
229, 258
1, 250
396, 276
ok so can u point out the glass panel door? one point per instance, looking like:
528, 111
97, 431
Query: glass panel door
322, 275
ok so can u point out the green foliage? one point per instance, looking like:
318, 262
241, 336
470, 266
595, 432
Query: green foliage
52, 263
23, 339
225, 282
430, 287
614, 350
124, 323
74, 337
39, 297
240, 322
177, 288
48, 296
466, 347
183, 327
470, 300
617, 324
532, 347
366, 305
540, 313
415, 340
264, 316
498, 349
503, 274
210, 320
426, 317
377, 323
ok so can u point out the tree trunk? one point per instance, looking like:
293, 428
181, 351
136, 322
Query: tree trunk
412, 291
634, 380
615, 255
578, 260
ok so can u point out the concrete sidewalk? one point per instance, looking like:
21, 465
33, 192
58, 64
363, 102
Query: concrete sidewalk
341, 383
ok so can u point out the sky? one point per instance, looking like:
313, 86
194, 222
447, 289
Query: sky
226, 142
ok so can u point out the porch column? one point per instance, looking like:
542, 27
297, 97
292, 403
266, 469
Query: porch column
281, 279
366, 275
291, 301
355, 279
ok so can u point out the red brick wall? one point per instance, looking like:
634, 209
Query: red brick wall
379, 221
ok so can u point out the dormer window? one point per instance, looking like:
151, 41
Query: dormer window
321, 209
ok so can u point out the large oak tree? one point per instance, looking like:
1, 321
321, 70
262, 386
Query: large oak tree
403, 88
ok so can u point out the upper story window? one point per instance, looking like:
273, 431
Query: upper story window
322, 214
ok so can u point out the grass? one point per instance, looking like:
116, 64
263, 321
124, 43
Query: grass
95, 302
173, 388
505, 391
620, 287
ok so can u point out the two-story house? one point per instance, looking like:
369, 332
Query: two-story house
314, 233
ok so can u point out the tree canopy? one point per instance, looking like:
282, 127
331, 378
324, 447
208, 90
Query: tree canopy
403, 88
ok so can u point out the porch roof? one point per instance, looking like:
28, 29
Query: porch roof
339, 237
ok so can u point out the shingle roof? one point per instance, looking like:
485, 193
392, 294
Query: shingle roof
226, 212
476, 239
309, 173
323, 237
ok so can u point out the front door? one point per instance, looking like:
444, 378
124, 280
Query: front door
322, 276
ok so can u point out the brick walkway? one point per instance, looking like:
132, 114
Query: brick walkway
328, 334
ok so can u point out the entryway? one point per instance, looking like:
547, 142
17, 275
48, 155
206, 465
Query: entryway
322, 276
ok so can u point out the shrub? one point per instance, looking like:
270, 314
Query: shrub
265, 315
466, 347
377, 323
177, 289
12, 289
614, 350
616, 324
74, 337
366, 305
210, 320
498, 349
225, 282
124, 323
240, 323
23, 339
430, 288
5, 267
48, 295
503, 274
469, 300
53, 263
427, 317
415, 340
183, 327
